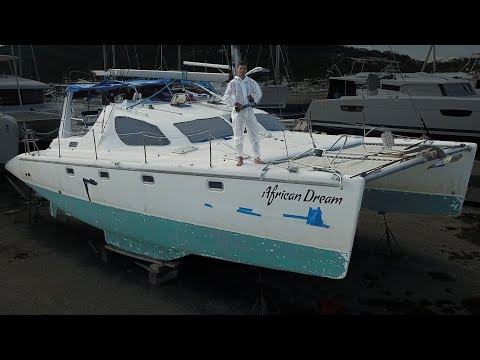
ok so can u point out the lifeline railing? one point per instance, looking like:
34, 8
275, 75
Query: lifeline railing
145, 135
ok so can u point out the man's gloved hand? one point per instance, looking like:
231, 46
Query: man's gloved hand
238, 107
250, 99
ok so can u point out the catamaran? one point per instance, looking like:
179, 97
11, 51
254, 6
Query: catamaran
156, 172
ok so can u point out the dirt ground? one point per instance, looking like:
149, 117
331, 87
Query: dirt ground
53, 266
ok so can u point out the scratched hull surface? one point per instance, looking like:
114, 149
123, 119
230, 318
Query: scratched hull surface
283, 226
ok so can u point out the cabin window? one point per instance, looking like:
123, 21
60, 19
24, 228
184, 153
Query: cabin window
390, 87
419, 89
469, 89
134, 132
90, 112
458, 90
70, 171
270, 122
148, 179
202, 130
104, 175
351, 108
456, 113
215, 185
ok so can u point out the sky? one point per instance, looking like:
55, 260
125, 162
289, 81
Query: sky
419, 52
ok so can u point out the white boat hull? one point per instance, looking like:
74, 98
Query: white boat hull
251, 221
442, 116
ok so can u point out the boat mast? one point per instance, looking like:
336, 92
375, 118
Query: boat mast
18, 88
277, 65
113, 56
235, 58
104, 58
19, 61
35, 63
428, 55
179, 49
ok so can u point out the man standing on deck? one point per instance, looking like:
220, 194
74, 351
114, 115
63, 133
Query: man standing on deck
244, 93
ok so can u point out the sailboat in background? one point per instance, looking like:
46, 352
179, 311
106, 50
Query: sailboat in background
24, 100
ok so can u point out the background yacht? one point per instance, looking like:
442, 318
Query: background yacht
412, 104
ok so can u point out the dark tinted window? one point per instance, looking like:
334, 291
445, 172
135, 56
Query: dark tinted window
458, 90
135, 132
391, 87
200, 130
351, 108
104, 175
469, 89
148, 179
456, 112
215, 185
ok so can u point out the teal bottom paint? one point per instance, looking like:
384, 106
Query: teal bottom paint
146, 248
168, 239
411, 203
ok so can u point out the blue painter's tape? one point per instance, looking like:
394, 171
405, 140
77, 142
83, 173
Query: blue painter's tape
208, 205
294, 216
247, 211
314, 217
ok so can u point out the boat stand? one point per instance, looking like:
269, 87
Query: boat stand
159, 271
387, 235
30, 201
35, 203
265, 301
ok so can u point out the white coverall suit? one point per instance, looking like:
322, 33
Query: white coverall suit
238, 91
